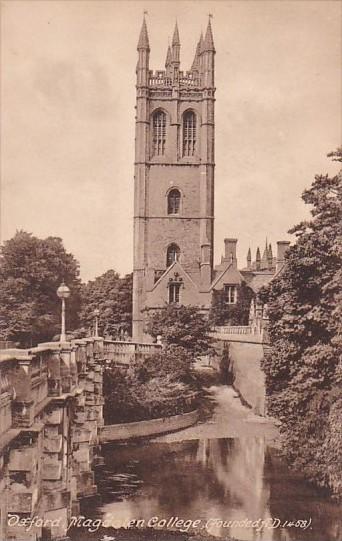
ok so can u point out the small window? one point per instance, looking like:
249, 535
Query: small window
189, 133
174, 293
172, 255
173, 202
159, 133
230, 294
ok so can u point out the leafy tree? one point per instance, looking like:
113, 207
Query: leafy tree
112, 296
31, 269
183, 326
303, 367
173, 361
222, 313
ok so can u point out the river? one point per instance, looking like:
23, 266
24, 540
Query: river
222, 478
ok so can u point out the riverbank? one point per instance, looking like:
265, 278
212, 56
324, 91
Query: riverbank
230, 419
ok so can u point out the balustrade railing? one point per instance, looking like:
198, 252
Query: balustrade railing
233, 329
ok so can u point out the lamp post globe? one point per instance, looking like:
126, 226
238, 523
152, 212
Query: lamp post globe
63, 292
96, 314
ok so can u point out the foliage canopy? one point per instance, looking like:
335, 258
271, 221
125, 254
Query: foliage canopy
112, 296
182, 326
31, 269
303, 367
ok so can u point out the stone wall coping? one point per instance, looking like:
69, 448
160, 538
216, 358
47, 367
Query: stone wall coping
148, 428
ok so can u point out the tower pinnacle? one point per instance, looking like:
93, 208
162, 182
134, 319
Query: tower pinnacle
143, 42
208, 44
175, 39
168, 57
196, 63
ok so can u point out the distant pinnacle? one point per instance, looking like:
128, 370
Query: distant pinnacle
249, 255
143, 42
258, 257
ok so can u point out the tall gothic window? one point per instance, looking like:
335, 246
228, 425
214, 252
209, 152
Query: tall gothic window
159, 133
172, 254
189, 133
174, 293
173, 201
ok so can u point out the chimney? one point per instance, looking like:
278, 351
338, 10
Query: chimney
282, 246
230, 251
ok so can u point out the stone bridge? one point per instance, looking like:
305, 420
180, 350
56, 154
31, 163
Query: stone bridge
50, 421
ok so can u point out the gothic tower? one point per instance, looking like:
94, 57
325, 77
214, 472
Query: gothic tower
174, 179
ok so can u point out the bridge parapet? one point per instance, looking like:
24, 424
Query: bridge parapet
51, 410
51, 403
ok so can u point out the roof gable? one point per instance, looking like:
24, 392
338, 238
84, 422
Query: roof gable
174, 272
229, 275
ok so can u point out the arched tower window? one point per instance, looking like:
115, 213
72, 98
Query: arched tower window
189, 133
159, 133
172, 254
173, 201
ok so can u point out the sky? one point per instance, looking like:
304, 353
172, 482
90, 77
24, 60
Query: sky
67, 107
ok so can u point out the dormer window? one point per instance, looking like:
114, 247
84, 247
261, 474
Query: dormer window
173, 201
159, 133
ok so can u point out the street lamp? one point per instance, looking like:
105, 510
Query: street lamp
96, 314
63, 293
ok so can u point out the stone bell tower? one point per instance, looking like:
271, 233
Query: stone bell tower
174, 179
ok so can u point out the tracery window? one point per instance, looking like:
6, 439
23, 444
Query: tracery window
172, 254
189, 133
173, 201
159, 133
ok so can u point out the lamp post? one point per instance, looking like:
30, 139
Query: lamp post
96, 314
63, 293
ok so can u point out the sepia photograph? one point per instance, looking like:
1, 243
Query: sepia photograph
171, 270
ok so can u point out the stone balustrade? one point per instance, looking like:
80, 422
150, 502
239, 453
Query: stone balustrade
160, 78
234, 329
51, 404
124, 353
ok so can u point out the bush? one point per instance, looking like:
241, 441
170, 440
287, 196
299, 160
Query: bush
128, 398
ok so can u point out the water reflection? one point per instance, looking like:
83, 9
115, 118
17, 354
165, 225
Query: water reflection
234, 487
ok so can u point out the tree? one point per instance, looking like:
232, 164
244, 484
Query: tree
303, 368
183, 326
31, 269
112, 296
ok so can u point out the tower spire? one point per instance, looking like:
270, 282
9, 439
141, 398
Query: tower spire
168, 57
208, 44
175, 38
176, 47
168, 62
196, 63
143, 42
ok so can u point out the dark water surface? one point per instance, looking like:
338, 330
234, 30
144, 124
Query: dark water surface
232, 487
